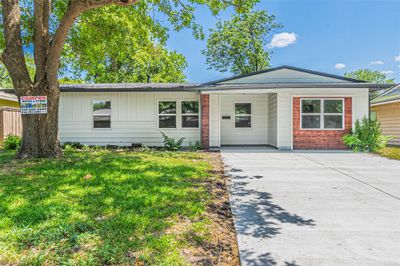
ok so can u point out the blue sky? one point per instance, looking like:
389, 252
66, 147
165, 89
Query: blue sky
333, 36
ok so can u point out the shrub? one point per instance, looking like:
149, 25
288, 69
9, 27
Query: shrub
171, 144
366, 136
12, 142
72, 145
195, 146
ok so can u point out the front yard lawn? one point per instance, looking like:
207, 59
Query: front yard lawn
390, 152
114, 207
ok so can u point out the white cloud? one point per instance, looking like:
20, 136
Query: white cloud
387, 72
283, 39
397, 58
377, 62
340, 66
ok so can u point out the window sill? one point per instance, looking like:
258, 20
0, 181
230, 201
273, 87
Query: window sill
322, 129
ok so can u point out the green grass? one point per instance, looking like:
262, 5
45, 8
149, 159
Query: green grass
390, 152
101, 207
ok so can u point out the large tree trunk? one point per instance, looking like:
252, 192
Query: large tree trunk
40, 132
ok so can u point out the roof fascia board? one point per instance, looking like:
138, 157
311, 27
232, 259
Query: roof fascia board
387, 102
294, 86
128, 90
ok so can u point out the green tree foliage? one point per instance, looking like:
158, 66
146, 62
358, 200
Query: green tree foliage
239, 45
369, 76
119, 44
5, 80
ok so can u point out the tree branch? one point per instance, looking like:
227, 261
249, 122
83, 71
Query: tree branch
13, 55
75, 8
41, 36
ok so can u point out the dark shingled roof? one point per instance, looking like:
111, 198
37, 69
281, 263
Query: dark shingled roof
126, 87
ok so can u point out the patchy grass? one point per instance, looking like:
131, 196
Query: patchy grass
390, 152
103, 207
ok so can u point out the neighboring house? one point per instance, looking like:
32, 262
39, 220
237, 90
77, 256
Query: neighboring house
284, 107
8, 100
10, 117
386, 108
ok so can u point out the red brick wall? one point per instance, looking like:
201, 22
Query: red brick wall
205, 121
320, 139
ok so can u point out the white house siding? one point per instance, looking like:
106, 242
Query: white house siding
258, 133
133, 119
272, 119
360, 108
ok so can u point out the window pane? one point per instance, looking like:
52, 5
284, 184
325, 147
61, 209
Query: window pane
191, 107
243, 108
102, 121
102, 107
333, 106
373, 116
311, 106
167, 107
333, 121
311, 121
167, 121
190, 121
243, 121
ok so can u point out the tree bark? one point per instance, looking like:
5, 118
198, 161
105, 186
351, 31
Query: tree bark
40, 132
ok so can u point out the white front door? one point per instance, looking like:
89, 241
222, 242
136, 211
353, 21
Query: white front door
244, 119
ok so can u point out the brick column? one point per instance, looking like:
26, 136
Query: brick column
205, 121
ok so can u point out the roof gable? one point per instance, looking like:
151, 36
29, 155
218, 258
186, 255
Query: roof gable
287, 75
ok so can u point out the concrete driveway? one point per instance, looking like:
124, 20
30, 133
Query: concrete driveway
314, 208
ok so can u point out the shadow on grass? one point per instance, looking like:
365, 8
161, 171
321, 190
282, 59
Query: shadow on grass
97, 207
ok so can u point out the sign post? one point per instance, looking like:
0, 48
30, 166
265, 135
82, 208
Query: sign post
33, 105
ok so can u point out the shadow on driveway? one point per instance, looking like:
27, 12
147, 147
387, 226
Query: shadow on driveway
258, 216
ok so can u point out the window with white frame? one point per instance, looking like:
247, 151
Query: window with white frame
190, 114
101, 114
242, 115
167, 114
322, 113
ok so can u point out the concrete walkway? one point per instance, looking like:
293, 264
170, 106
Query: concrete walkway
314, 208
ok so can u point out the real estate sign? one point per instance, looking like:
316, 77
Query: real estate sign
32, 105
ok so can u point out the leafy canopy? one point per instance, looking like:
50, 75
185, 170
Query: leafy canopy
369, 76
239, 45
121, 44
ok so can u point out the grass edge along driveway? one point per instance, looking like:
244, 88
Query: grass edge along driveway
109, 207
390, 152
